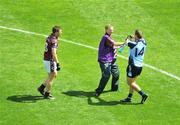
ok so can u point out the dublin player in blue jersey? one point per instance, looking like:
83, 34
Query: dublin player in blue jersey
135, 64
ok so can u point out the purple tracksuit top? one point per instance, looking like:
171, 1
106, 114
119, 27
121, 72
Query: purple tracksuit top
106, 53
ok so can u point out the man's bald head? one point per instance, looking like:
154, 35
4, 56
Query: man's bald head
109, 29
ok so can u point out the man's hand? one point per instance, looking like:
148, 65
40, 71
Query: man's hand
130, 37
58, 67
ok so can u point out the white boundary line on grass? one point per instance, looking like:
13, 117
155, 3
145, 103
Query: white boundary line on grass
91, 47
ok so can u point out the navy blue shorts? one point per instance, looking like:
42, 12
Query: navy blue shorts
133, 71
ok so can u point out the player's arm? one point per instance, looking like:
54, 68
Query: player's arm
131, 44
55, 58
54, 55
54, 46
117, 44
129, 38
112, 43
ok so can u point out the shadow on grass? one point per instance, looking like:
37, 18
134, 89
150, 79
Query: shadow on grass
91, 96
25, 98
81, 94
102, 102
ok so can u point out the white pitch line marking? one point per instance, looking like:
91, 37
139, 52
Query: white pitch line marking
91, 47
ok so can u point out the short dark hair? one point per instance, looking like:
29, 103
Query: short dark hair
138, 33
56, 29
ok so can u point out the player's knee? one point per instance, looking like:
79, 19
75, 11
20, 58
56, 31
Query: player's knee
106, 75
129, 82
54, 74
116, 75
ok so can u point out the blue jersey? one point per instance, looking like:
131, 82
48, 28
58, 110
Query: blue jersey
137, 50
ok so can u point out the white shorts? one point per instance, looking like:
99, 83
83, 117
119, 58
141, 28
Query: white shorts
50, 66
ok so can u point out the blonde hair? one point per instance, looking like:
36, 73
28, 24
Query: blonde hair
108, 26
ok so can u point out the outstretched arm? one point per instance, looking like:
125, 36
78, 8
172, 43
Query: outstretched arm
110, 42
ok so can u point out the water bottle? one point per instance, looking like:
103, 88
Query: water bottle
121, 48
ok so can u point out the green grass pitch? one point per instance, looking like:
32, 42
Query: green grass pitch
21, 67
